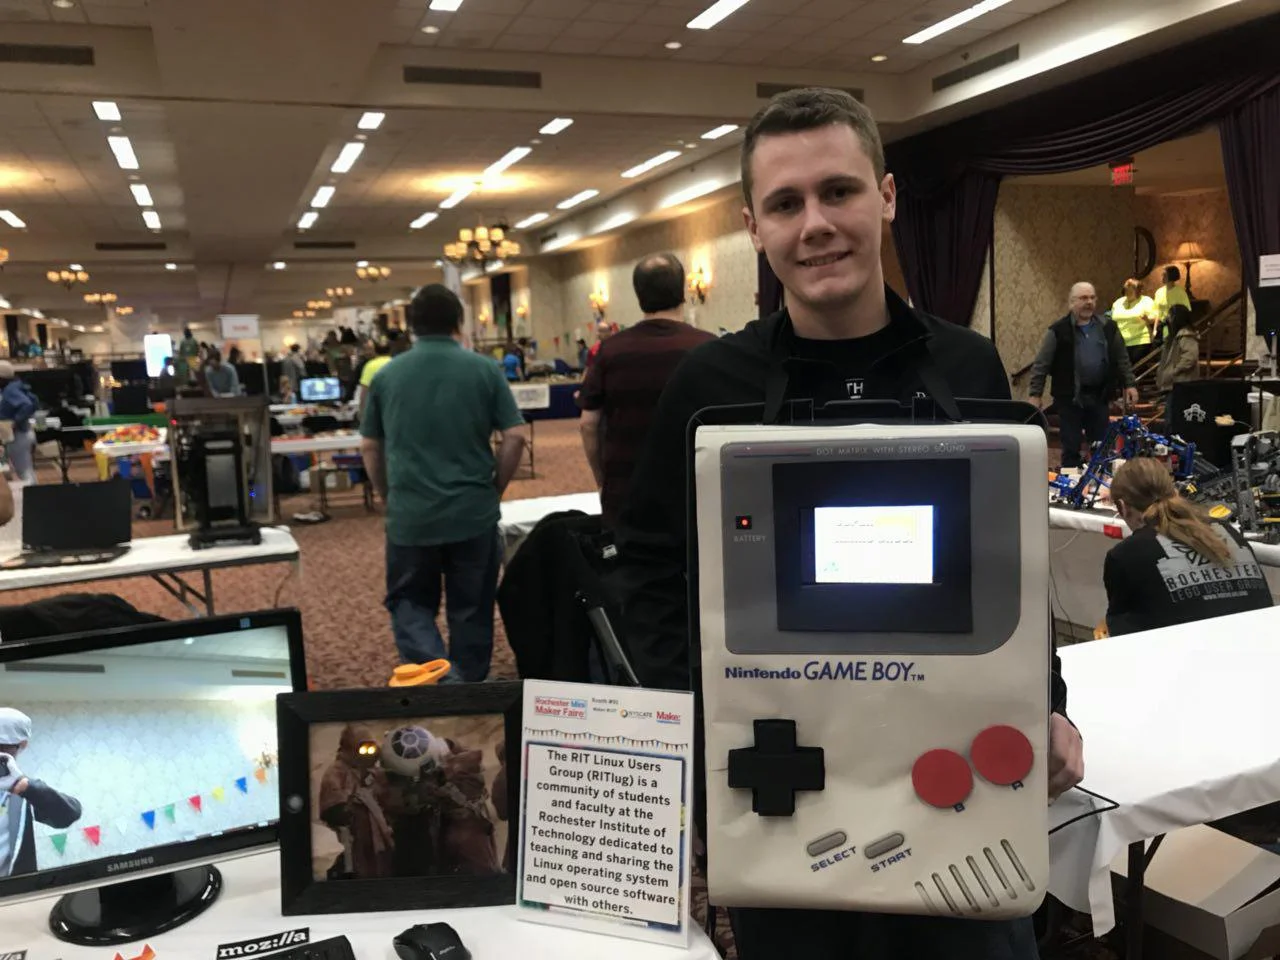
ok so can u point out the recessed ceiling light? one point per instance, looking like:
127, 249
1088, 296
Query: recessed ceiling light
446, 6
457, 197
64, 4
879, 58
106, 110
307, 220
509, 159
123, 150
709, 17
530, 221
12, 219
348, 157
75, 266
322, 197
142, 194
557, 125
423, 220
279, 265
171, 266
151, 219
673, 44
371, 120
956, 20
641, 168
721, 131
576, 199
362, 263
430, 28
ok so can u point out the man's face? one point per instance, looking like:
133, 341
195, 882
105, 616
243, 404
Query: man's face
817, 213
1084, 301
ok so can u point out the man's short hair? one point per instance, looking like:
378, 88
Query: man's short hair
435, 311
15, 727
295, 348
809, 108
659, 282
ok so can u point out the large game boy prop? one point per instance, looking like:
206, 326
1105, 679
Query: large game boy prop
875, 666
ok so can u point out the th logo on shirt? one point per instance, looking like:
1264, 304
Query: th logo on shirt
855, 388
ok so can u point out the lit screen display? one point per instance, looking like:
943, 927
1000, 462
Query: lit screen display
884, 544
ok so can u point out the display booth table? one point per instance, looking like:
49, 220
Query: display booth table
519, 517
164, 559
249, 908
1179, 728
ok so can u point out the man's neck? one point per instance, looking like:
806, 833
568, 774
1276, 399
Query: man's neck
860, 318
1084, 320
675, 313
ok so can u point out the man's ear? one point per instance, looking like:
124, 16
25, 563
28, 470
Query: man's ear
889, 196
749, 220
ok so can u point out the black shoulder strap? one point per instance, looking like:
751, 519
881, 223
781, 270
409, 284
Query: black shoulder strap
936, 386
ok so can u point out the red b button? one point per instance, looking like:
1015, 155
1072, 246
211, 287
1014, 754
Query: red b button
942, 778
1002, 755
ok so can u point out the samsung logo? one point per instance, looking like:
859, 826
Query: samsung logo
130, 864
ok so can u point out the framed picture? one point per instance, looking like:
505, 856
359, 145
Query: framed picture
399, 799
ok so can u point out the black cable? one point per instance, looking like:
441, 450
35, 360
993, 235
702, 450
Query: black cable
1094, 812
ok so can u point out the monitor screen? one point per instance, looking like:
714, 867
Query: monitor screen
158, 350
151, 746
319, 389
880, 544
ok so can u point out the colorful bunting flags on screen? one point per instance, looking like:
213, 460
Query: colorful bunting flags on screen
93, 835
171, 812
197, 803
242, 784
260, 774
149, 818
59, 841
218, 794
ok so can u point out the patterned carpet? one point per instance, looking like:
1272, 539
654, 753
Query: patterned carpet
339, 589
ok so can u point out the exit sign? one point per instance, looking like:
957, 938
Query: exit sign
1121, 174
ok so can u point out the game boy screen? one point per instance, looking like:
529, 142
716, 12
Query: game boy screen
873, 544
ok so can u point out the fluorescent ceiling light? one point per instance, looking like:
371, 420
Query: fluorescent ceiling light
556, 126
171, 266
423, 220
617, 220
691, 192
576, 199
106, 110
457, 196
151, 219
123, 150
362, 263
448, 6
371, 120
348, 157
530, 221
307, 220
74, 266
142, 194
323, 196
12, 219
709, 17
279, 265
510, 159
559, 242
649, 164
956, 20
721, 131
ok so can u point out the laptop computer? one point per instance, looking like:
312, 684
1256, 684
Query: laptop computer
74, 523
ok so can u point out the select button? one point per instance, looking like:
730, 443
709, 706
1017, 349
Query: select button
829, 842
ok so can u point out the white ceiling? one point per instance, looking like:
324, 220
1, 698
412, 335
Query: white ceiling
237, 109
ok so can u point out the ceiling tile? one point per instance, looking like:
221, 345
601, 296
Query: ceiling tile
592, 30
644, 33
700, 54
509, 41
613, 12
824, 9
795, 27
469, 22
817, 43
745, 57
537, 26
564, 9
574, 45
665, 17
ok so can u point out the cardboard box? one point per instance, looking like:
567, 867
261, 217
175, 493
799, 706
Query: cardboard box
1212, 891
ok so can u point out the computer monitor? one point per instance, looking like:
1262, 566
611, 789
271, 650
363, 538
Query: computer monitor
253, 377
321, 390
152, 751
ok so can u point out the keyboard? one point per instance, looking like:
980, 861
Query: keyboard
62, 558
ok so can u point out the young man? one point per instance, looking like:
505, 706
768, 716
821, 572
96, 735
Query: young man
817, 198
24, 801
220, 379
623, 385
427, 430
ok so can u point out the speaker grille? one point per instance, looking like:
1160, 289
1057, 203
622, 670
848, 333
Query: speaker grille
764, 91
459, 77
974, 68
46, 54
979, 884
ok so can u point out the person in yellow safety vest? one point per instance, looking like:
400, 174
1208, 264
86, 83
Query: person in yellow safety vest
1134, 314
1167, 295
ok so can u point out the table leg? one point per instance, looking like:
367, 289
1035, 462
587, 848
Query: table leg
208, 590
1139, 859
533, 473
180, 590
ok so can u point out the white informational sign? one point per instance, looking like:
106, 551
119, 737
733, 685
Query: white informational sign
607, 810
1269, 270
238, 326
157, 348
532, 396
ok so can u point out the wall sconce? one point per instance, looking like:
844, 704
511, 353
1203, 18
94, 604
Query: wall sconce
599, 302
483, 318
699, 283
1189, 252
522, 311
4, 257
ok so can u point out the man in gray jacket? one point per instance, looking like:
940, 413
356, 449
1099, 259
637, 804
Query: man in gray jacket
1085, 356
23, 801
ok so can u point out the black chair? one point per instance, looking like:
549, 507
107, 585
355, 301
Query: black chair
1193, 408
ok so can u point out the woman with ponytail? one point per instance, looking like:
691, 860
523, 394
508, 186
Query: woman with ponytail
1180, 565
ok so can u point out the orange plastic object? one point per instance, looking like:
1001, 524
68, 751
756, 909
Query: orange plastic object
419, 674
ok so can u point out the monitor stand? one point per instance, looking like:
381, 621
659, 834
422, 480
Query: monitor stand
135, 909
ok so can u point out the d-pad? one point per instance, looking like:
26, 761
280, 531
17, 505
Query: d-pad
775, 768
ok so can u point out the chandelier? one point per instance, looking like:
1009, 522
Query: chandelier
106, 299
373, 273
68, 278
481, 244
318, 304
304, 313
338, 293
123, 311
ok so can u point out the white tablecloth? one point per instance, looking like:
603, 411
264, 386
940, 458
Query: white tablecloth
316, 444
1179, 728
249, 907
519, 517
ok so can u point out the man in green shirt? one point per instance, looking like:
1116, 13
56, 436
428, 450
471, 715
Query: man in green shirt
427, 429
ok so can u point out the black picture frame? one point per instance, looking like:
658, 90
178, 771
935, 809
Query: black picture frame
300, 893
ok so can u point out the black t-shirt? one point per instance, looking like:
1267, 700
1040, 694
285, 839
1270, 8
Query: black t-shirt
854, 357
1153, 581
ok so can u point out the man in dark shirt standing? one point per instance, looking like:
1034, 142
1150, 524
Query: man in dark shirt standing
817, 198
622, 387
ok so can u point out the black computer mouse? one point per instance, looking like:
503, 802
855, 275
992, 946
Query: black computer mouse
430, 941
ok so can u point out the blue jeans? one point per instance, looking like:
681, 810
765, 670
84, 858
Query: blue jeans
469, 570
22, 455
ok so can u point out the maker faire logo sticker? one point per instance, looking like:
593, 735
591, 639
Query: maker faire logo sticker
560, 707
